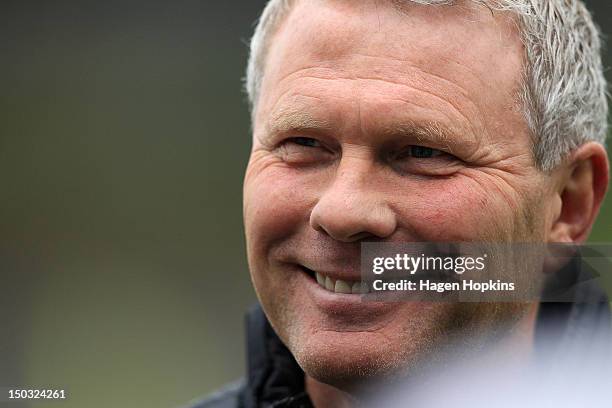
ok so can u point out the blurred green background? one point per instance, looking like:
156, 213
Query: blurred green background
124, 135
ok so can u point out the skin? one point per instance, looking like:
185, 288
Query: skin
349, 88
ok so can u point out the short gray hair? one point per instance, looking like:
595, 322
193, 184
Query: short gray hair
564, 90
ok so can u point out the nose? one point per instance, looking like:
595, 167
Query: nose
351, 208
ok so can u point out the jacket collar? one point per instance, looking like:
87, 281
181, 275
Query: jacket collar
274, 379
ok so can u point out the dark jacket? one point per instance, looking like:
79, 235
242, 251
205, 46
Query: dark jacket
274, 380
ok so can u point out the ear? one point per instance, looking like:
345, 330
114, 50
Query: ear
581, 190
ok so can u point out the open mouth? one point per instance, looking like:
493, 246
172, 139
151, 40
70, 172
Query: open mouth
337, 285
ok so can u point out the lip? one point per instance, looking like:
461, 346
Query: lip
350, 273
342, 305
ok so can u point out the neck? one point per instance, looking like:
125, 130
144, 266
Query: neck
326, 396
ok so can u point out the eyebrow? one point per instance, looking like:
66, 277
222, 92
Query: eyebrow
292, 119
423, 131
295, 119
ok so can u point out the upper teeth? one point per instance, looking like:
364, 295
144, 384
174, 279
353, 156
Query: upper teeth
340, 286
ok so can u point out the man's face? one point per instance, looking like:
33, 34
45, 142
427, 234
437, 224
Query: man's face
381, 124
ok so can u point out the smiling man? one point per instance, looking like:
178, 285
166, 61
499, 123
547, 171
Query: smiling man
406, 121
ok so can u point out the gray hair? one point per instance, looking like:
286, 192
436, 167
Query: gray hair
564, 91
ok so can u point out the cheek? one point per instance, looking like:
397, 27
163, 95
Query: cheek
276, 205
459, 209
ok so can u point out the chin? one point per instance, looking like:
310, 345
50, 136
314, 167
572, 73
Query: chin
339, 370
345, 360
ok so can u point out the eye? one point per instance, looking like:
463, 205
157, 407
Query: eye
305, 141
422, 152
419, 152
304, 151
423, 160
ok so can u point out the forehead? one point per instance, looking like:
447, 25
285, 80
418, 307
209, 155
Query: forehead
461, 64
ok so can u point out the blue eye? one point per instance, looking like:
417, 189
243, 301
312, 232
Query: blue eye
423, 160
304, 151
305, 141
421, 152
